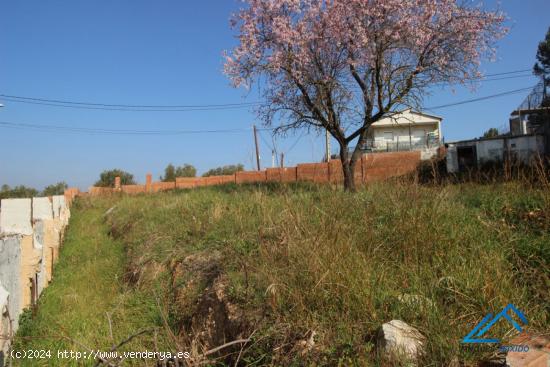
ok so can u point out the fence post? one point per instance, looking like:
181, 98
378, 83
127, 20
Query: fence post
148, 182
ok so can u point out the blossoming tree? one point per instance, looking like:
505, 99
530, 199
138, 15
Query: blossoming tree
342, 65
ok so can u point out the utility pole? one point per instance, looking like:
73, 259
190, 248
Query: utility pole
327, 145
282, 160
272, 158
257, 148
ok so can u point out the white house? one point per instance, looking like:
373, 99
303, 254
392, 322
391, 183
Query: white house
405, 130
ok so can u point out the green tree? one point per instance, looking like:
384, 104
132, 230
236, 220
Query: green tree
107, 178
542, 66
542, 69
171, 172
224, 170
20, 191
187, 170
55, 189
491, 133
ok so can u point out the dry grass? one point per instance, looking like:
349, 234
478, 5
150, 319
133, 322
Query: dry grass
297, 260
309, 272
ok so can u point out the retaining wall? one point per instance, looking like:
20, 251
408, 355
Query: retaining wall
31, 232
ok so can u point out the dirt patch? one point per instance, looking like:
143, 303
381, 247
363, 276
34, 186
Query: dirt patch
207, 318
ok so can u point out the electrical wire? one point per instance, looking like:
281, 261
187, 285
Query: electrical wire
58, 128
190, 109
184, 108
95, 131
479, 99
128, 105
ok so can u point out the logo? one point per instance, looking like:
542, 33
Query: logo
475, 336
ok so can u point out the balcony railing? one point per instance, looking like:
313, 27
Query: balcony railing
373, 146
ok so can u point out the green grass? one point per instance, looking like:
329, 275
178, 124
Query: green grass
88, 291
282, 262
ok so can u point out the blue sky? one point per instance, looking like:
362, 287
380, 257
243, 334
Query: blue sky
170, 53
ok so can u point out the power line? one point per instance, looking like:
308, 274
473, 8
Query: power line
295, 143
482, 80
93, 131
58, 128
128, 105
183, 108
86, 107
479, 99
509, 72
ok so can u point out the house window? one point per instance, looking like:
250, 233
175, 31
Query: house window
388, 136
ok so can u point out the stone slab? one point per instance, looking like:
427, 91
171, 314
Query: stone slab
4, 295
15, 216
58, 203
42, 209
10, 265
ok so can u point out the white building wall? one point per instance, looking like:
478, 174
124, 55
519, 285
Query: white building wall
523, 148
490, 150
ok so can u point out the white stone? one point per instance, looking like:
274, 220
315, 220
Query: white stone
42, 209
10, 273
60, 209
15, 216
400, 340
58, 202
4, 295
537, 355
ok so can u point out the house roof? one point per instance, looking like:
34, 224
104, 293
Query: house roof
407, 117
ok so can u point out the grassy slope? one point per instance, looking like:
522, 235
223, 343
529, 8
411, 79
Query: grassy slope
313, 259
72, 313
294, 260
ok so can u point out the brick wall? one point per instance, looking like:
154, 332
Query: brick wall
133, 189
371, 167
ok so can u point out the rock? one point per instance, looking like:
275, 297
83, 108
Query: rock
109, 211
538, 354
398, 340
306, 345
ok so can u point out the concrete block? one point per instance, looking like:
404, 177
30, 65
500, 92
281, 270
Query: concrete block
4, 295
50, 249
4, 321
30, 267
15, 216
42, 209
10, 265
60, 209
38, 243
58, 203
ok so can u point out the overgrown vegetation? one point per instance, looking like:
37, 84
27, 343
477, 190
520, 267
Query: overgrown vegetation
88, 305
309, 273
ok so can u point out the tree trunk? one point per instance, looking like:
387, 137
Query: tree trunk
347, 168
